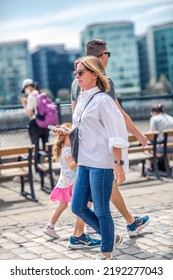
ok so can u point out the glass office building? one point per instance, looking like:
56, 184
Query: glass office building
123, 67
53, 67
160, 51
15, 66
143, 61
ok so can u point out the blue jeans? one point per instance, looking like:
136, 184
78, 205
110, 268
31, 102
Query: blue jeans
98, 183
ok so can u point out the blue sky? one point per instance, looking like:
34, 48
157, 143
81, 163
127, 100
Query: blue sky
61, 21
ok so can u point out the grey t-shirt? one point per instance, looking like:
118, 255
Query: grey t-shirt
160, 122
75, 90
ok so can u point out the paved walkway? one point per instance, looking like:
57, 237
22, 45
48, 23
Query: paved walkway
22, 221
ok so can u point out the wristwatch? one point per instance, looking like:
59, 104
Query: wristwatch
120, 162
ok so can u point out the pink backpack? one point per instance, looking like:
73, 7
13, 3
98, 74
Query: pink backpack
46, 111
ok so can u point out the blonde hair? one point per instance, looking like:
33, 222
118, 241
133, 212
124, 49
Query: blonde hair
59, 143
94, 65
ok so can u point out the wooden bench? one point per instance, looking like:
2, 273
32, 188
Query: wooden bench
167, 145
18, 162
47, 167
138, 154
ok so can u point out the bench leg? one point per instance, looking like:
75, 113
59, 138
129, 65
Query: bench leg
22, 181
32, 189
156, 170
32, 192
167, 168
42, 179
51, 180
143, 168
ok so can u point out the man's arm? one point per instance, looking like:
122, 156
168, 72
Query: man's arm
131, 127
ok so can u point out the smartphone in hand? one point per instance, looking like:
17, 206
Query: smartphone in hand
56, 129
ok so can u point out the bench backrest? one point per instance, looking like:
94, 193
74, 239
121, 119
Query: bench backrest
167, 139
9, 157
15, 151
135, 145
167, 132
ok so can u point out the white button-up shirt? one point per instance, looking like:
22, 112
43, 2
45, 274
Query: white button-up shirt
102, 127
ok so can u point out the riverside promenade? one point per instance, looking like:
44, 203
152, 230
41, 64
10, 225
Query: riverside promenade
22, 222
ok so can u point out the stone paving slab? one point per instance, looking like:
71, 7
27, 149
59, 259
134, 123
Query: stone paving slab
22, 222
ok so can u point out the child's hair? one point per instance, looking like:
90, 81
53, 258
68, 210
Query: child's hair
59, 143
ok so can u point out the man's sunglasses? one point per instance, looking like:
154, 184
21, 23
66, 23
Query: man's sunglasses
79, 72
108, 53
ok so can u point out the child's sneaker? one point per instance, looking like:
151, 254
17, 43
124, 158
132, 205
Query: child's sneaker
51, 232
135, 228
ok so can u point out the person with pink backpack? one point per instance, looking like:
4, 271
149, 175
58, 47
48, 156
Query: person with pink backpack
41, 112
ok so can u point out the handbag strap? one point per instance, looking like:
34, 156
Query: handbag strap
79, 120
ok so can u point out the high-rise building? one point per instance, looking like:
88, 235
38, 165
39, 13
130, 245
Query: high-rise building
15, 66
160, 50
123, 67
156, 53
143, 61
53, 67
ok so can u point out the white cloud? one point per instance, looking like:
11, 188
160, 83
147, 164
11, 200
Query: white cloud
48, 35
64, 26
55, 35
152, 12
77, 12
160, 9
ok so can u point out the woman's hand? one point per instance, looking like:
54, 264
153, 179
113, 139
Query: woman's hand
119, 174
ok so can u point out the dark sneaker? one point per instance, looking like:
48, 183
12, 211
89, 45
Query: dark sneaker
84, 241
135, 228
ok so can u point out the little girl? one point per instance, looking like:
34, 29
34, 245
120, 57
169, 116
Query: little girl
63, 190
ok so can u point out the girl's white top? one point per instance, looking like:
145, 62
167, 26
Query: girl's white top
102, 127
67, 176
32, 103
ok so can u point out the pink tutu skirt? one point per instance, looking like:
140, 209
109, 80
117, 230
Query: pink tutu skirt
62, 195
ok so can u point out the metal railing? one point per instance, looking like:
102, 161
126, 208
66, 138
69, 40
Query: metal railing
14, 122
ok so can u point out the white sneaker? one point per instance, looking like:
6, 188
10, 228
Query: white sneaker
101, 256
16, 179
117, 241
51, 232
90, 230
36, 177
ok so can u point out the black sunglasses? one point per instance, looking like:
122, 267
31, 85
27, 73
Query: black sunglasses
79, 72
108, 53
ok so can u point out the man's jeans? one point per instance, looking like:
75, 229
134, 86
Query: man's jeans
98, 183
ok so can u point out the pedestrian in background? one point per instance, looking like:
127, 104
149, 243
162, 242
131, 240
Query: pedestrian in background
29, 92
158, 122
